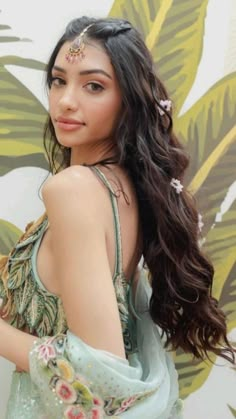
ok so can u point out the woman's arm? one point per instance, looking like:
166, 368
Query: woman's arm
79, 213
74, 201
5, 319
15, 345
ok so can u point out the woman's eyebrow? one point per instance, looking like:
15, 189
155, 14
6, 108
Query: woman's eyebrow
95, 70
85, 72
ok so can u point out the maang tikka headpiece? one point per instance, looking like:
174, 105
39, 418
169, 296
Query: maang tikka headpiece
77, 47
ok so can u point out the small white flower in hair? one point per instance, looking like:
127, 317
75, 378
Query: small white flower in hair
177, 185
200, 222
166, 104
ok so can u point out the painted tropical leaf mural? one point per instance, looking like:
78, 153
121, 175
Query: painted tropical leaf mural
21, 114
174, 31
233, 411
8, 237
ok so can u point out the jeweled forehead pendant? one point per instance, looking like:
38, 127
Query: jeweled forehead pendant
77, 47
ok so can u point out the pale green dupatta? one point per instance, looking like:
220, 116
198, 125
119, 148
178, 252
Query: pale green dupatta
75, 380
70, 379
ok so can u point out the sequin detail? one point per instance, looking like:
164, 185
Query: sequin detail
73, 390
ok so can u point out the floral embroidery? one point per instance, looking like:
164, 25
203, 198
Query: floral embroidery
65, 392
84, 395
64, 369
96, 413
126, 404
74, 412
98, 402
72, 389
46, 352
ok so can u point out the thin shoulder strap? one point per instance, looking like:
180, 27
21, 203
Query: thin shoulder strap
119, 262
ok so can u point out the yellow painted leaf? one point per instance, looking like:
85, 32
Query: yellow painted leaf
174, 34
142, 14
18, 148
220, 246
22, 62
22, 116
203, 127
22, 120
233, 411
192, 374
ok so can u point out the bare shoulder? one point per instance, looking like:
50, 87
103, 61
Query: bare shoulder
75, 183
71, 177
75, 194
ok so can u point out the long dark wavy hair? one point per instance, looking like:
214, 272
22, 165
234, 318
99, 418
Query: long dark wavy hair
181, 276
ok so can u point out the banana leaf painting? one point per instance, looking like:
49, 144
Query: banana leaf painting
174, 33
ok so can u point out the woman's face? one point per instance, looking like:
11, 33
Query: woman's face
84, 99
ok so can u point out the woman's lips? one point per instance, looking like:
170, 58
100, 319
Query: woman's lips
68, 124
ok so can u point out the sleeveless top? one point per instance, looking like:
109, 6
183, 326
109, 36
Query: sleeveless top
39, 310
68, 378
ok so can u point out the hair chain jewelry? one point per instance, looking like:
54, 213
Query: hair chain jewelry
77, 47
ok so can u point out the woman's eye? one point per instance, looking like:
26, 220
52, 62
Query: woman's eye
57, 81
94, 87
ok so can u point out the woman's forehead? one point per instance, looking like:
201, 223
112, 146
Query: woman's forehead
94, 56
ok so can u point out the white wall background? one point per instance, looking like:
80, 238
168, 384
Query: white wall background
43, 23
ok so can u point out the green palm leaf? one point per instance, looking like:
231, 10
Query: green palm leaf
9, 236
208, 129
10, 163
192, 374
220, 245
22, 116
141, 14
228, 295
216, 186
174, 35
233, 411
205, 126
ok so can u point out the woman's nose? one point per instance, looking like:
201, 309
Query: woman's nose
69, 99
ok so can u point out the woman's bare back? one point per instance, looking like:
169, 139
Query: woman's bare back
130, 233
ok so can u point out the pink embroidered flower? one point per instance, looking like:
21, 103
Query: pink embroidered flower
65, 392
98, 402
96, 413
126, 404
74, 412
46, 351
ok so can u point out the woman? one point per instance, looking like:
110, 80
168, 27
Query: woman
86, 328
